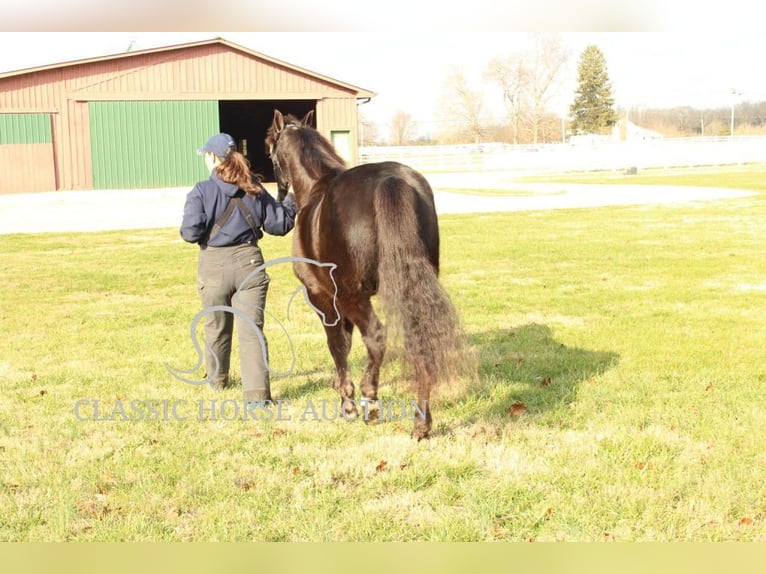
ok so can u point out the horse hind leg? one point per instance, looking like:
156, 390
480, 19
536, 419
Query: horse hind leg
374, 337
424, 379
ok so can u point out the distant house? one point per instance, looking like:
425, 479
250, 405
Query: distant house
621, 131
136, 119
628, 131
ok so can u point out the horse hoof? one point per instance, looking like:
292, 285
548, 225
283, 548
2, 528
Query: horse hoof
371, 411
372, 418
349, 411
420, 434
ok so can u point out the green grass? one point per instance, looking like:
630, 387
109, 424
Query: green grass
632, 336
735, 177
495, 192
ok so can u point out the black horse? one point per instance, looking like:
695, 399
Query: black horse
378, 224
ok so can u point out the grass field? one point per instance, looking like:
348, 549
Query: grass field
618, 396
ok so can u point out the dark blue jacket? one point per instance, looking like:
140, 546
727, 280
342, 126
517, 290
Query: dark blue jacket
207, 202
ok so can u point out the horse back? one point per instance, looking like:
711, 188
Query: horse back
340, 224
356, 198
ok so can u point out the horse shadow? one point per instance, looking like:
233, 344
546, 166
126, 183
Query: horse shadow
314, 381
524, 371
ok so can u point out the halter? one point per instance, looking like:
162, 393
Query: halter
283, 184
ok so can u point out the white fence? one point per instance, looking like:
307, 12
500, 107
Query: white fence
525, 159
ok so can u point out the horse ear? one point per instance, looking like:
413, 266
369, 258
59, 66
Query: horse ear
308, 118
279, 121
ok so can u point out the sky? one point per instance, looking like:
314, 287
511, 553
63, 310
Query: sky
407, 71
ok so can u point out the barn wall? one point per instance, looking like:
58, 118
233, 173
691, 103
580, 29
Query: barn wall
27, 168
339, 114
203, 72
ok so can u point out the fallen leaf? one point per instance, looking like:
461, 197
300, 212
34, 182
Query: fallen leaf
108, 478
381, 466
709, 388
498, 533
403, 466
745, 521
279, 432
296, 470
93, 509
517, 409
107, 482
244, 484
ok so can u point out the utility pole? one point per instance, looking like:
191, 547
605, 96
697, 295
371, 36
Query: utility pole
564, 117
734, 94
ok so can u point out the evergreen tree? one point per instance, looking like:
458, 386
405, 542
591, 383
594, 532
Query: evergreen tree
593, 108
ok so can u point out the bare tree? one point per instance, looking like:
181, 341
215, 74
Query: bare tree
463, 106
368, 130
549, 56
513, 77
402, 128
528, 81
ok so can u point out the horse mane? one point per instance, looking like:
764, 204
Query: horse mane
313, 150
317, 154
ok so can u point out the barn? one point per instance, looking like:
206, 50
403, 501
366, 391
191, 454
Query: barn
136, 119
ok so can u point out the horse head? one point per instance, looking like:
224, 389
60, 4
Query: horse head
276, 152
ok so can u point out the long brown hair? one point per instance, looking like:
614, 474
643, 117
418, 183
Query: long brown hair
235, 168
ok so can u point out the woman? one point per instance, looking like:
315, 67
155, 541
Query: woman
227, 215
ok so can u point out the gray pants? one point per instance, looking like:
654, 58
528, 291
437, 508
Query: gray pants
223, 280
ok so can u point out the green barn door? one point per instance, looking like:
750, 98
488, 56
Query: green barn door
150, 144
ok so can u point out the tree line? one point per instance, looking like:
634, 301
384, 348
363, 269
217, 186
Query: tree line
527, 83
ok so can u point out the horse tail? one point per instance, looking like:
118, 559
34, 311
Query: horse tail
415, 302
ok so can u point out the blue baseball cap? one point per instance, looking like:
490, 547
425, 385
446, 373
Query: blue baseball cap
219, 144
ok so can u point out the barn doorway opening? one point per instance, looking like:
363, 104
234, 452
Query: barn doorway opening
247, 121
